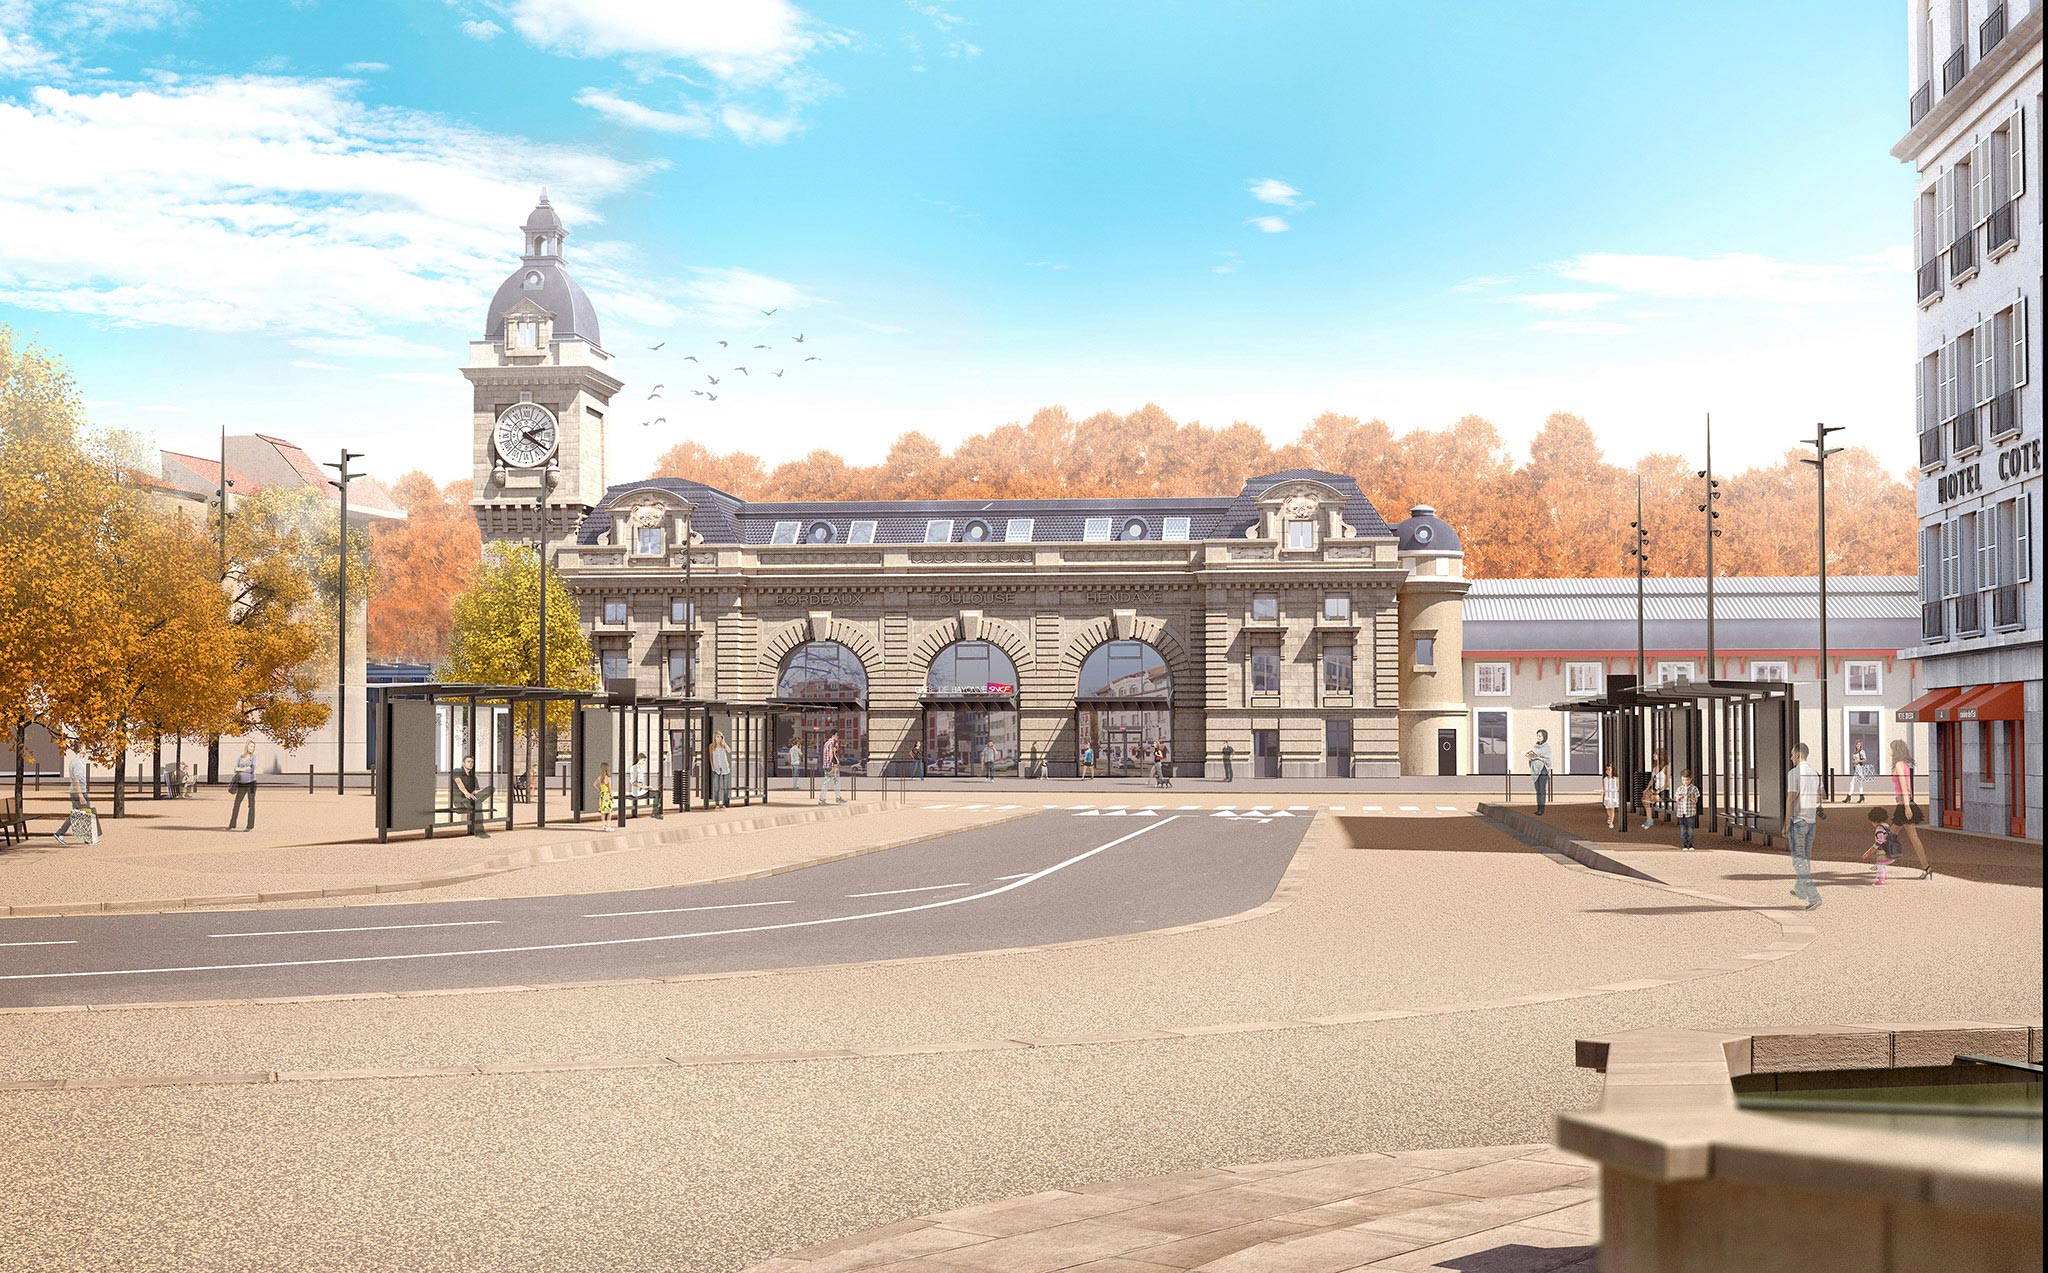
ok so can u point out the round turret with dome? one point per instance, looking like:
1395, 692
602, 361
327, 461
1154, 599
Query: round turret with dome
542, 279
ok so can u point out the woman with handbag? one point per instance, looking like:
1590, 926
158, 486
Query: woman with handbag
1907, 815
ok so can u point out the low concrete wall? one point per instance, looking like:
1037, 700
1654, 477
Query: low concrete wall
1544, 836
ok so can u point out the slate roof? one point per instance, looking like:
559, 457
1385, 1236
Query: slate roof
557, 293
1750, 612
726, 519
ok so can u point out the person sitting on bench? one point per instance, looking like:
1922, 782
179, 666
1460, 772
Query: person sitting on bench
471, 798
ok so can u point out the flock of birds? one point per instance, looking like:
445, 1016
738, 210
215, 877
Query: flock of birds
711, 394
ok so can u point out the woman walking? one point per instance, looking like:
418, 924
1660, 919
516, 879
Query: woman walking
1907, 815
1859, 770
721, 770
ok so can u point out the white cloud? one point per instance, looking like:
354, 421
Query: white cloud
249, 204
30, 33
752, 128
1048, 265
961, 48
734, 296
367, 68
634, 115
942, 17
307, 364
1274, 191
1268, 225
741, 42
1579, 327
1741, 276
482, 30
108, 17
436, 379
1483, 282
1226, 263
1563, 302
367, 345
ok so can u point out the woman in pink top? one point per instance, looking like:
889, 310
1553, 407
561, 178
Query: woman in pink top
1906, 813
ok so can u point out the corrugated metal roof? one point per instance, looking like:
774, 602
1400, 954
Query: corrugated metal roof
1685, 599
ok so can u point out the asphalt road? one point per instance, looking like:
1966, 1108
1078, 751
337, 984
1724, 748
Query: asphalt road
1053, 878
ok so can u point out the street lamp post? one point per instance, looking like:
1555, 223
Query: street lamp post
1821, 452
1713, 493
1638, 549
342, 477
548, 477
213, 742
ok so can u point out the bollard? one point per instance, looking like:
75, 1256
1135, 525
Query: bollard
309, 780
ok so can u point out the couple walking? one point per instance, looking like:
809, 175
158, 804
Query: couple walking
1802, 816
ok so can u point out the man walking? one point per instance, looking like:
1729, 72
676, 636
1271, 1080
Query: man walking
1802, 813
245, 786
829, 762
1539, 769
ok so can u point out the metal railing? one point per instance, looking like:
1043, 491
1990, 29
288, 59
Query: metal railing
2001, 228
2005, 606
1957, 66
1962, 254
1922, 102
1966, 435
1933, 621
1930, 446
2005, 413
1969, 616
1930, 278
1990, 31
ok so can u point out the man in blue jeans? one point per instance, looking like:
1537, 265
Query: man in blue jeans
1802, 817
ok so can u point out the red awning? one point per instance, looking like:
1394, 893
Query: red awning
2004, 701
1926, 707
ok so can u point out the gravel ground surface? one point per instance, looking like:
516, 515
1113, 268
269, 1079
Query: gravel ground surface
710, 1169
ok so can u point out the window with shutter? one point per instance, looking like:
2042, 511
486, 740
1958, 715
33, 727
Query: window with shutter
1986, 351
1945, 369
1987, 548
1944, 210
1980, 184
2019, 342
1951, 546
2023, 536
1930, 563
2016, 152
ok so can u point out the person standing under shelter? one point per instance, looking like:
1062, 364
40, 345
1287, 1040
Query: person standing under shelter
1802, 817
829, 763
721, 770
245, 786
796, 764
1539, 769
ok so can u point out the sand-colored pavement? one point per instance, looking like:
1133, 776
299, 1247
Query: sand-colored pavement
714, 1167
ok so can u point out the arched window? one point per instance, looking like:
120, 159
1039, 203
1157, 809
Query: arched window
971, 667
1124, 670
822, 672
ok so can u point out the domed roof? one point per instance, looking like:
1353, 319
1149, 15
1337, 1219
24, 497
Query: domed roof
544, 280
543, 217
1424, 532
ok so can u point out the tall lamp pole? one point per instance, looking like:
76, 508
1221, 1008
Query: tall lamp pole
1713, 493
342, 477
213, 741
1821, 452
1639, 549
548, 477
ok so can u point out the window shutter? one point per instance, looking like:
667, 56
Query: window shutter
1920, 394
2019, 342
2023, 535
1987, 364
1951, 559
1944, 210
1946, 371
1920, 231
1980, 183
1987, 553
2016, 152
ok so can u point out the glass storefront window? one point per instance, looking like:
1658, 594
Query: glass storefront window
830, 683
822, 671
1124, 709
1124, 669
964, 737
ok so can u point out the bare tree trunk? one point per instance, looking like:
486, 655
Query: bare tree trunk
213, 761
156, 765
20, 741
121, 782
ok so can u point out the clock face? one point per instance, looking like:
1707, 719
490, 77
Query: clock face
525, 436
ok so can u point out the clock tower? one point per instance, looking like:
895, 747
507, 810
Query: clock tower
542, 387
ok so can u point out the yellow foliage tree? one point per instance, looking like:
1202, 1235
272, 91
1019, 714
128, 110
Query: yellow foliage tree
422, 564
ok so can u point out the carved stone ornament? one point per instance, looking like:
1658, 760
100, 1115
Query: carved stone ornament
649, 515
1299, 508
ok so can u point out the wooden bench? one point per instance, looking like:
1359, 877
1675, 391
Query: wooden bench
13, 827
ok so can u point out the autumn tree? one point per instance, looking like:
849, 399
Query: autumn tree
495, 635
421, 564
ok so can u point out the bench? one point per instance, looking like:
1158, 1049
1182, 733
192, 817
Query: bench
13, 827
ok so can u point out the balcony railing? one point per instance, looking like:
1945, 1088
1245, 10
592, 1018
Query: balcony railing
1922, 101
1990, 31
2000, 231
1966, 434
2005, 413
1957, 66
1962, 254
1930, 446
1933, 620
2005, 606
1930, 278
1969, 617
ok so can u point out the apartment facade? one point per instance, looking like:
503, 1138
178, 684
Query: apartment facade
1531, 644
1974, 112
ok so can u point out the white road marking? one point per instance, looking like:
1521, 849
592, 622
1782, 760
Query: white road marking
1084, 806
1190, 806
367, 928
1371, 808
1297, 807
678, 910
938, 806
974, 806
1411, 808
1008, 806
925, 888
1447, 808
610, 941
38, 943
1013, 877
1336, 808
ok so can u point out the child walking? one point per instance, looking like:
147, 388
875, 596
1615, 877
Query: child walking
604, 794
1685, 805
1884, 842
1610, 797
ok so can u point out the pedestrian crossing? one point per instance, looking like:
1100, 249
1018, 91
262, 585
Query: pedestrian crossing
1254, 812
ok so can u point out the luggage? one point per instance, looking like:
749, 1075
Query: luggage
83, 825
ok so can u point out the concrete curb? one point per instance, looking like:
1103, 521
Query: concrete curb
1544, 836
518, 860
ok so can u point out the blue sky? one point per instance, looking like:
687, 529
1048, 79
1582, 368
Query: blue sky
290, 217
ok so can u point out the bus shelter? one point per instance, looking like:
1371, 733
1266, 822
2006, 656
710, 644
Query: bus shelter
1735, 737
658, 750
427, 729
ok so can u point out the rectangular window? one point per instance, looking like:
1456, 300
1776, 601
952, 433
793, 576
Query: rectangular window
1967, 553
2016, 332
614, 664
1674, 673
1301, 534
1490, 678
1095, 530
1018, 530
1265, 608
1865, 676
1176, 529
2023, 536
1425, 650
1337, 669
860, 533
614, 609
1266, 671
1337, 747
681, 613
785, 533
939, 530
1337, 608
647, 541
1777, 671
681, 670
1583, 680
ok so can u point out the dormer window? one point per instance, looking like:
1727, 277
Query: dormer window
1301, 533
526, 333
647, 541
